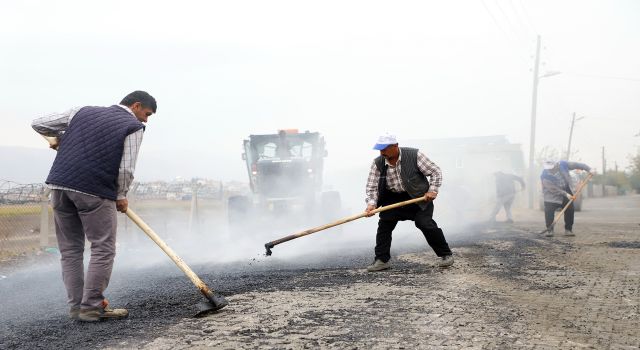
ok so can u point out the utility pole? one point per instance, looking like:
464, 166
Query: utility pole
604, 172
534, 103
573, 122
532, 138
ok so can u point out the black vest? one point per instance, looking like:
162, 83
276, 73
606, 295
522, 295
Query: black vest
90, 150
413, 180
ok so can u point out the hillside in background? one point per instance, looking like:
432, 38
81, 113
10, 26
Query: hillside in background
31, 165
25, 165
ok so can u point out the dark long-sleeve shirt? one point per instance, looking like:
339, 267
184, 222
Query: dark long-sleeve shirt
505, 184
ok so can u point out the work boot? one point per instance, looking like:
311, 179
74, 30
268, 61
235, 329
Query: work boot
444, 261
549, 233
102, 313
569, 233
73, 312
509, 221
378, 265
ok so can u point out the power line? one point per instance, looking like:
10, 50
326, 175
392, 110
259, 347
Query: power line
518, 19
528, 19
511, 26
495, 21
504, 33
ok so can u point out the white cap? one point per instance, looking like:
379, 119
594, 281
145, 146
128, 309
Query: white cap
384, 141
548, 164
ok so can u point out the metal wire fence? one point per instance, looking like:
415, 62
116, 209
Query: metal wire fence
27, 225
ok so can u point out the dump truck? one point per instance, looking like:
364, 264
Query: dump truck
285, 172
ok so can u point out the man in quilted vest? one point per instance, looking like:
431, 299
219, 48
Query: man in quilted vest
89, 180
400, 174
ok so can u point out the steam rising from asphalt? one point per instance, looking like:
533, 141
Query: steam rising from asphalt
462, 206
465, 202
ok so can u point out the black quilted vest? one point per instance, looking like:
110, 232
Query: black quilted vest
90, 150
413, 181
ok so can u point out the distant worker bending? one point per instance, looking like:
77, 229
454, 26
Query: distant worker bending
557, 190
505, 193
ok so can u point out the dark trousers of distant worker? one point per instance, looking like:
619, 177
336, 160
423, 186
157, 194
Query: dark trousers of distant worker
77, 216
550, 210
503, 201
423, 221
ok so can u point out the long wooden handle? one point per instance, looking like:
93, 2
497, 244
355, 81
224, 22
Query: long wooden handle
176, 259
343, 221
578, 190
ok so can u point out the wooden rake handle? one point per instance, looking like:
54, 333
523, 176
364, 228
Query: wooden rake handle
176, 259
272, 244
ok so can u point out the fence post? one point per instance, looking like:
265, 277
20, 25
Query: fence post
194, 219
44, 218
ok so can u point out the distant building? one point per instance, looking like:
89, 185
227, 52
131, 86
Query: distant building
468, 164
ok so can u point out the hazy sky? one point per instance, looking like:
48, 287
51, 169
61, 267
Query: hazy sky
222, 70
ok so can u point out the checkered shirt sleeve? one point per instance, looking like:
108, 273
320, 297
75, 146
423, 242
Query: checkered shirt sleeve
128, 162
431, 170
372, 185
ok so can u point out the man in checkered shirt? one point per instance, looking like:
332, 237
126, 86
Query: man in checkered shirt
400, 174
90, 177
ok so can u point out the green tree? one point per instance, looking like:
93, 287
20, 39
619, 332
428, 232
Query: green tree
634, 178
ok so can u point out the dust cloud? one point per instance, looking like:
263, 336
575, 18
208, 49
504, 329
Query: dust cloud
463, 207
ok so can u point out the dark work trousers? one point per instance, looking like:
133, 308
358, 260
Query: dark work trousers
423, 221
550, 210
78, 215
503, 201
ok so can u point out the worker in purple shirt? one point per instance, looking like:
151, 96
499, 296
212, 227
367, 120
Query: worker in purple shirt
557, 190
89, 180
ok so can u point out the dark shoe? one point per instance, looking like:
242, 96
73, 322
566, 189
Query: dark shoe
102, 313
445, 261
378, 265
73, 312
549, 233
